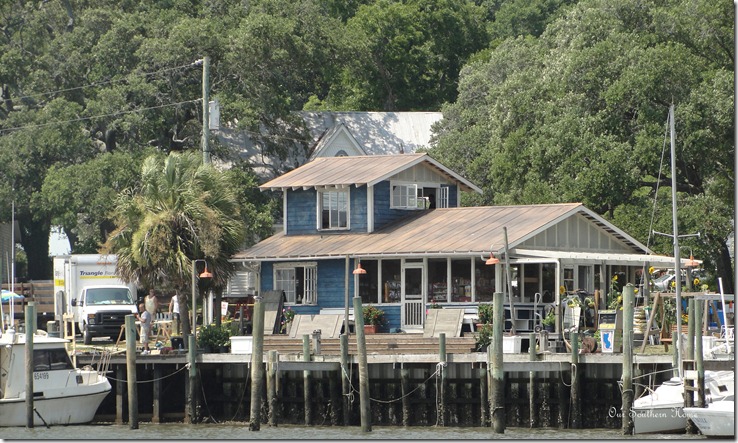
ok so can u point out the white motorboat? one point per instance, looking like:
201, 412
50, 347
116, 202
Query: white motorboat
662, 410
716, 420
63, 394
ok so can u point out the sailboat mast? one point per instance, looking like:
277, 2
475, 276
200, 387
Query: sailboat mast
677, 259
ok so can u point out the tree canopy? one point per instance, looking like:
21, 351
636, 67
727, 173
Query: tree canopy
579, 114
543, 100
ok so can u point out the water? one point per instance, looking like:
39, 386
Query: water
240, 431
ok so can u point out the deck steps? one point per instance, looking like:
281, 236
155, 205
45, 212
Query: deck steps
375, 343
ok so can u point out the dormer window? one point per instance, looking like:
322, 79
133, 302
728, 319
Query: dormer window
404, 196
333, 206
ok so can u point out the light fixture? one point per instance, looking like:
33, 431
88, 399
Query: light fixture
206, 273
492, 260
359, 270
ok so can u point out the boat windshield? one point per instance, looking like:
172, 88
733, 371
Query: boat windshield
109, 296
51, 360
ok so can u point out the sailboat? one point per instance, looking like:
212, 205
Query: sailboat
661, 410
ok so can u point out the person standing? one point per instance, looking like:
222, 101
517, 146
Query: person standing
145, 319
174, 312
151, 303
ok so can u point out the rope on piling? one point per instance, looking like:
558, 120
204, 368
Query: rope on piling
240, 400
561, 373
186, 366
439, 374
352, 389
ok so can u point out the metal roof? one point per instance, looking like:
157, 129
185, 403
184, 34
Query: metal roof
377, 133
445, 232
363, 170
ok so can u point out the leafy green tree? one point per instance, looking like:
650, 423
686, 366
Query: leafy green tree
579, 114
81, 197
181, 210
407, 55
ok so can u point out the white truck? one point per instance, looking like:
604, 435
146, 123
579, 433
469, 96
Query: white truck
86, 286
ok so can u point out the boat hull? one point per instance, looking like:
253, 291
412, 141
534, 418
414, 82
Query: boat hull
69, 410
717, 420
660, 419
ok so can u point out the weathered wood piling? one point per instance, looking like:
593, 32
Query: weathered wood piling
257, 366
131, 371
497, 401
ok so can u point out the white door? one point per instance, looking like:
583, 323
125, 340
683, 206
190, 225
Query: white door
413, 296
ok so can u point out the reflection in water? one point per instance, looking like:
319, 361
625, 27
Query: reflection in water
240, 431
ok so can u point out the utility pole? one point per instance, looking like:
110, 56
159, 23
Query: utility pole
205, 109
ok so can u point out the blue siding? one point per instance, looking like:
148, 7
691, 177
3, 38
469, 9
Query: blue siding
301, 212
331, 279
358, 209
383, 215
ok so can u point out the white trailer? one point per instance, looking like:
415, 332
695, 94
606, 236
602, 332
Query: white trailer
86, 286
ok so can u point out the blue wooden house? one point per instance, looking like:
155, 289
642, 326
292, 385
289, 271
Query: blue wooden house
398, 218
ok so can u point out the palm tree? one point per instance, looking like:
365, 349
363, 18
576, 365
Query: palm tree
182, 210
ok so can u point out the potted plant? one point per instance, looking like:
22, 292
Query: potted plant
483, 337
373, 319
212, 338
485, 313
549, 321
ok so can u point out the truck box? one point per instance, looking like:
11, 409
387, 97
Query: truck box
86, 286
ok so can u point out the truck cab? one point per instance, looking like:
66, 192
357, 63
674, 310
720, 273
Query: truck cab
101, 310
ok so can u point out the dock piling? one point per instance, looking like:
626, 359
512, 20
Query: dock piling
364, 404
442, 410
30, 319
257, 365
307, 381
131, 371
575, 405
698, 356
191, 416
345, 382
483, 397
497, 403
532, 406
273, 359
627, 395
405, 386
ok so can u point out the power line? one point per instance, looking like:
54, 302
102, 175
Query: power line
44, 125
41, 94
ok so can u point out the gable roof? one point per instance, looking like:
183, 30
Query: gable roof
365, 170
467, 231
329, 144
375, 133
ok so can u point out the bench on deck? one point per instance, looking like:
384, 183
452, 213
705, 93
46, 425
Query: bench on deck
340, 311
471, 315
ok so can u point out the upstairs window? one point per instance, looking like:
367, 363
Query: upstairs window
334, 209
405, 196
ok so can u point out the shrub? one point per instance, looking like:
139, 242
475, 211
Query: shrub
486, 313
483, 337
214, 336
